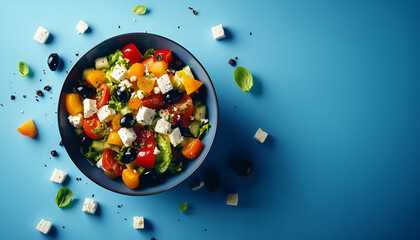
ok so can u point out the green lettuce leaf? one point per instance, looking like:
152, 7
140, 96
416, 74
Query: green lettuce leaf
203, 129
163, 159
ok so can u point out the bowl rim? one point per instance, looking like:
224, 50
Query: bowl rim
214, 127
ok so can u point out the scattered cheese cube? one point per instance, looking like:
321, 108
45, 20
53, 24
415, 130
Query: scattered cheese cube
138, 222
89, 107
90, 206
260, 135
163, 126
41, 35
118, 73
105, 113
101, 62
165, 84
44, 226
82, 27
232, 199
76, 120
218, 32
175, 137
58, 176
145, 115
100, 165
127, 135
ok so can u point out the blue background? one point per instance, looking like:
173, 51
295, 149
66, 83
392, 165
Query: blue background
336, 85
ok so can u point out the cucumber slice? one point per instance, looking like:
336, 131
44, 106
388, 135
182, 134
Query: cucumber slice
85, 72
101, 62
194, 127
187, 69
200, 112
101, 146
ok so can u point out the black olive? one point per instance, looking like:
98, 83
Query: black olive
150, 177
186, 132
122, 96
129, 155
172, 96
85, 91
53, 61
128, 120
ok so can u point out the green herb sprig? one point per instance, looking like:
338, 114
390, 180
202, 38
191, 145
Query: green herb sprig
63, 197
23, 69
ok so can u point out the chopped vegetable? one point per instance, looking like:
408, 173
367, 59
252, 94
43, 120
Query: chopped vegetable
139, 10
183, 207
63, 197
23, 69
28, 129
243, 78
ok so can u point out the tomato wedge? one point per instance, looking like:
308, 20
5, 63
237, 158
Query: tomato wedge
104, 96
154, 101
192, 149
146, 157
165, 55
110, 164
146, 139
90, 125
182, 110
132, 53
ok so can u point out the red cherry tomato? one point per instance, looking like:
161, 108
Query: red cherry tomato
132, 53
146, 139
165, 54
101, 100
110, 164
91, 124
153, 101
146, 157
182, 110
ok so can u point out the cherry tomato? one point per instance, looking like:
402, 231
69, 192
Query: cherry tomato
153, 101
91, 124
165, 55
182, 110
146, 157
110, 164
146, 139
101, 100
131, 178
192, 149
132, 53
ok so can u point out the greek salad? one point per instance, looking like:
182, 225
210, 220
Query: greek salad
139, 116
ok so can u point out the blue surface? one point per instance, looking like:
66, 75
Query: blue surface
336, 87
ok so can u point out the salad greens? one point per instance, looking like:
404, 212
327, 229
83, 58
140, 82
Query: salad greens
183, 207
243, 78
203, 129
149, 53
63, 197
163, 159
139, 10
23, 69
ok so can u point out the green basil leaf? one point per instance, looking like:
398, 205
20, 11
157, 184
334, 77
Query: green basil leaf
64, 197
243, 78
139, 10
23, 69
203, 129
183, 207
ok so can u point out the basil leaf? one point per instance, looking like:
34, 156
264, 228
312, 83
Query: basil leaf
183, 207
149, 53
23, 69
64, 197
139, 10
203, 129
243, 78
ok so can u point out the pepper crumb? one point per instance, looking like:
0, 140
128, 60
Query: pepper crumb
37, 100
153, 238
64, 227
47, 88
195, 12
45, 165
250, 33
24, 96
179, 27
119, 206
190, 8
39, 93
93, 195
118, 26
236, 58
12, 97
54, 153
77, 54
232, 62
125, 219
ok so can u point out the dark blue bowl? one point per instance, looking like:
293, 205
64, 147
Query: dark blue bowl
143, 41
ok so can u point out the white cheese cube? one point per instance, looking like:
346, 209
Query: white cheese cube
218, 32
260, 135
81, 27
44, 226
41, 35
105, 113
90, 206
232, 199
118, 73
175, 137
89, 107
165, 84
58, 176
127, 135
156, 90
76, 120
163, 127
101, 62
145, 115
138, 222
100, 165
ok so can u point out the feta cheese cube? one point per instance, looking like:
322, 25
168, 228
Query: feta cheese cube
90, 206
105, 113
76, 120
164, 114
145, 115
165, 84
175, 137
163, 126
127, 135
232, 199
101, 62
218, 32
44, 226
100, 165
118, 73
89, 107
41, 35
156, 90
58, 176
81, 27
260, 135
138, 222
